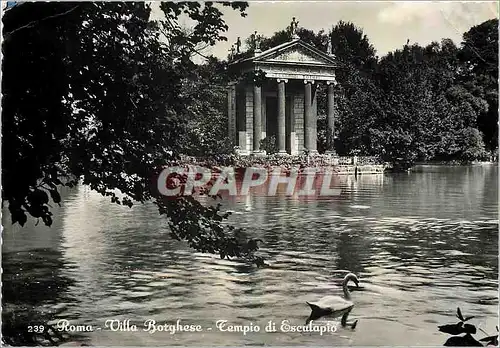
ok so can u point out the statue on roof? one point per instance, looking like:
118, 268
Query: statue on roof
231, 52
329, 47
238, 45
256, 42
293, 28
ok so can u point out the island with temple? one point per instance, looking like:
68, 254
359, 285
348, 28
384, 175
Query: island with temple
283, 105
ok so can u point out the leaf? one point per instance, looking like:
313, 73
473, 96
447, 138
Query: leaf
462, 341
39, 197
20, 217
459, 314
490, 340
47, 220
452, 329
471, 329
56, 197
486, 339
35, 210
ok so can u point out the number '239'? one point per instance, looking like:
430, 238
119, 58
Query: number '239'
36, 328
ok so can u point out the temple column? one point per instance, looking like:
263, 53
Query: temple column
231, 111
281, 115
307, 112
257, 117
330, 135
264, 118
314, 120
309, 117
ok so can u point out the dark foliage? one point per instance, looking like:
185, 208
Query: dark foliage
466, 340
99, 94
269, 145
437, 102
480, 55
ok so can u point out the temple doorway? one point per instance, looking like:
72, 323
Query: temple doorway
272, 120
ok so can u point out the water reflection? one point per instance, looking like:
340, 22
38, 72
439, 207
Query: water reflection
34, 277
35, 290
422, 243
36, 280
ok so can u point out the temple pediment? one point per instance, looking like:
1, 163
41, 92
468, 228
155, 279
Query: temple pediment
295, 60
295, 54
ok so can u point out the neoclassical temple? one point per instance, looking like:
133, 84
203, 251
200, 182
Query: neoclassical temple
285, 104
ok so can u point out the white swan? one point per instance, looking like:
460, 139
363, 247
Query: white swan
335, 306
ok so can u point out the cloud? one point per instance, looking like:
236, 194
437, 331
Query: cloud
460, 14
404, 12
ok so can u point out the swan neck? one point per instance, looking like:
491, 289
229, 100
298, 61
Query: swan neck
347, 294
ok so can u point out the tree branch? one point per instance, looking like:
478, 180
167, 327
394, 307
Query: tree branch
197, 51
34, 23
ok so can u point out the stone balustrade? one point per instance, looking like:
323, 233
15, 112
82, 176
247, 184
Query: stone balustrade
284, 161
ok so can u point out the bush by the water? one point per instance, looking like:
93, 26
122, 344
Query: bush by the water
268, 144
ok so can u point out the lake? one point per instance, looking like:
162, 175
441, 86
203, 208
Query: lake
422, 243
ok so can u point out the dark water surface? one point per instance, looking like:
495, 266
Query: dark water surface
422, 244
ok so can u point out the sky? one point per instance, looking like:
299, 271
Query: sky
388, 25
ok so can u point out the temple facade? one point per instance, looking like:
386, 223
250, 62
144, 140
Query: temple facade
285, 104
